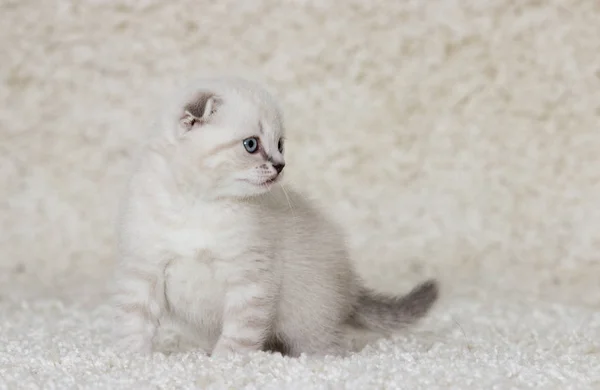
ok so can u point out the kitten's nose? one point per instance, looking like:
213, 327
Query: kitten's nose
279, 167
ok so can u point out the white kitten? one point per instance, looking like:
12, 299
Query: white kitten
211, 243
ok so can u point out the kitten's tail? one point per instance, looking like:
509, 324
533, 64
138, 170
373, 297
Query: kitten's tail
383, 313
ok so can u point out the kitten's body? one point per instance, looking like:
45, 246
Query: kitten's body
211, 245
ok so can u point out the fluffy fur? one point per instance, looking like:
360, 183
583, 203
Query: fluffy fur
212, 244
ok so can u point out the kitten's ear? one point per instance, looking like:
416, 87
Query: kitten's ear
199, 111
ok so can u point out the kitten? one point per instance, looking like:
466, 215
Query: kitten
209, 240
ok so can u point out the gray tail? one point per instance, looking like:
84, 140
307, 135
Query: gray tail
383, 313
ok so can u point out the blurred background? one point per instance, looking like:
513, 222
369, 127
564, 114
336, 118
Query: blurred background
454, 139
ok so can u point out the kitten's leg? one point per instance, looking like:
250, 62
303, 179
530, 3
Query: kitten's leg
247, 315
139, 301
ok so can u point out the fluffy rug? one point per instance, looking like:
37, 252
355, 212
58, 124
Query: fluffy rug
456, 140
484, 343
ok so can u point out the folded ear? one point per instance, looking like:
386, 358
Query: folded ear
199, 110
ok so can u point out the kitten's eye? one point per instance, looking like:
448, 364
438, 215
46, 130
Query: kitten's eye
251, 144
280, 145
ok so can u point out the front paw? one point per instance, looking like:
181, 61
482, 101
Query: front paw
226, 348
222, 351
134, 344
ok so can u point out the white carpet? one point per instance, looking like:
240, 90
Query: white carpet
488, 343
454, 139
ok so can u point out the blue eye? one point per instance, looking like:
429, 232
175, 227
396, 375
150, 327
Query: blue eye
251, 144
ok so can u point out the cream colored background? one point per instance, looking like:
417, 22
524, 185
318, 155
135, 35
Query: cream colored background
452, 139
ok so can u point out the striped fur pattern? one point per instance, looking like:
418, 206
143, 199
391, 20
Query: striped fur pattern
214, 251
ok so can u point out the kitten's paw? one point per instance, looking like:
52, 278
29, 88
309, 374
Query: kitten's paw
221, 351
134, 344
225, 348
169, 345
134, 334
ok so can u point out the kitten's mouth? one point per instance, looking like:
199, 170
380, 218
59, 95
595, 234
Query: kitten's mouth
265, 183
270, 181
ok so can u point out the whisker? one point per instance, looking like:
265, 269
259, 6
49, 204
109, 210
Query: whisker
288, 200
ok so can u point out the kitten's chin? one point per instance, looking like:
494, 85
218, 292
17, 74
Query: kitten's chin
262, 187
248, 189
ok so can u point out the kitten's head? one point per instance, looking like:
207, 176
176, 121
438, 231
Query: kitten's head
227, 139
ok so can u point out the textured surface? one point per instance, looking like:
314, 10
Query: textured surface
452, 139
470, 344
